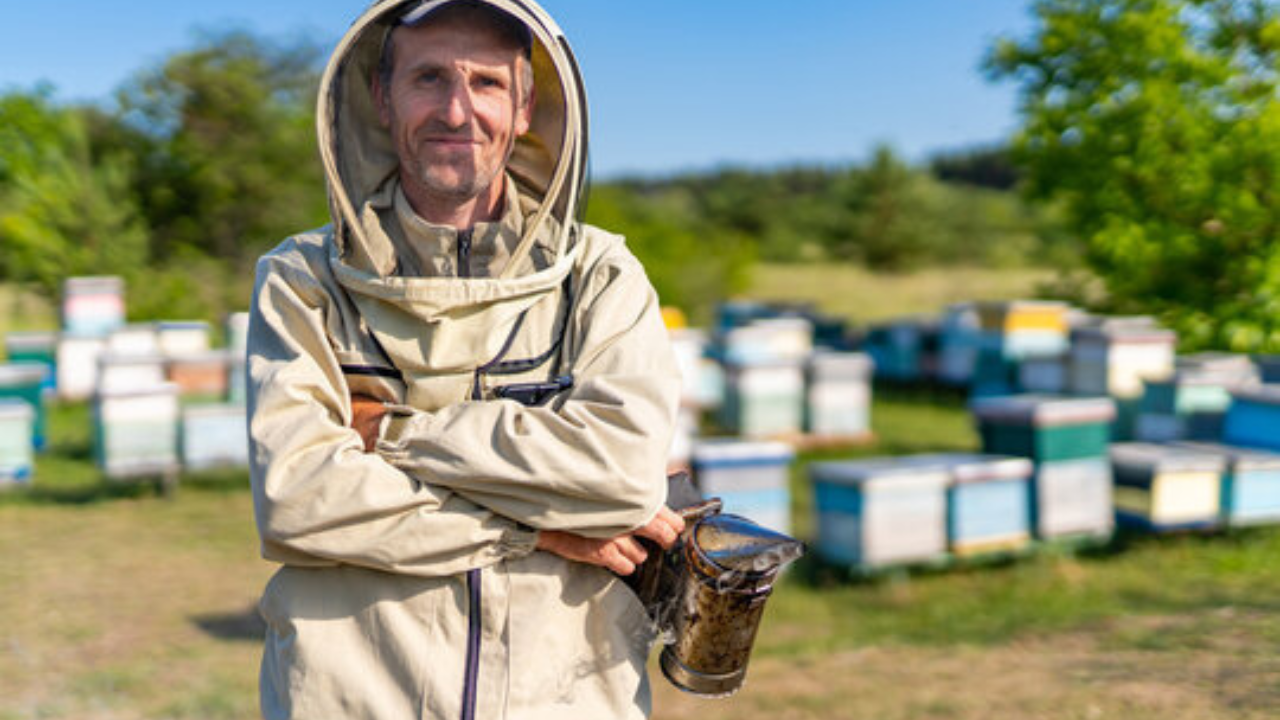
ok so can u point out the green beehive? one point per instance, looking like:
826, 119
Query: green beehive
1045, 428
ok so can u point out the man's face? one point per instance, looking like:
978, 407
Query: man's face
453, 109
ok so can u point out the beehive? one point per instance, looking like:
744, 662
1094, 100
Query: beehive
136, 431
764, 399
988, 502
1250, 483
135, 340
122, 373
959, 337
17, 452
214, 436
1072, 499
77, 365
1045, 428
880, 512
1116, 359
1253, 419
25, 381
92, 306
752, 478
1166, 487
183, 338
200, 375
40, 347
838, 394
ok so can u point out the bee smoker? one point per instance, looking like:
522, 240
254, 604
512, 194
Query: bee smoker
707, 596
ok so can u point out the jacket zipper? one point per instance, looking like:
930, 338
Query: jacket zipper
464, 253
472, 672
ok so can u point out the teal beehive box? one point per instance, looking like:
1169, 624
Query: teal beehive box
17, 452
37, 347
26, 381
1044, 428
880, 512
1253, 420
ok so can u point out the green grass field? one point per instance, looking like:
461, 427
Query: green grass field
117, 603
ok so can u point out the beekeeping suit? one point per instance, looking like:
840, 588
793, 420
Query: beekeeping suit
537, 393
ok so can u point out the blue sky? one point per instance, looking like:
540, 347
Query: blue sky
674, 84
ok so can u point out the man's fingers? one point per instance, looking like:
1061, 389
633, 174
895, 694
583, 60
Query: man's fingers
664, 528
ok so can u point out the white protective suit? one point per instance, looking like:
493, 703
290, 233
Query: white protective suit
410, 585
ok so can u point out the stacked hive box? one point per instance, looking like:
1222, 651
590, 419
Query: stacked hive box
880, 512
1067, 439
988, 502
1269, 368
752, 478
1166, 487
1250, 484
899, 349
214, 436
1253, 419
119, 373
137, 431
77, 365
1018, 332
1116, 358
690, 347
1191, 404
92, 305
200, 375
960, 335
838, 395
40, 347
17, 452
238, 347
25, 381
764, 377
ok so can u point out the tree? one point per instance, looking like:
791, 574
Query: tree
62, 212
1156, 123
225, 141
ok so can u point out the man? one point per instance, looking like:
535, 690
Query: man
461, 397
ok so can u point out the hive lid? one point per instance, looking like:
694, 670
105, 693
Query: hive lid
23, 372
739, 545
1044, 409
1239, 458
979, 467
1165, 458
11, 407
891, 469
732, 451
1261, 394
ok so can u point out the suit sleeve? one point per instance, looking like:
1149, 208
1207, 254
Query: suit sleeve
594, 461
318, 498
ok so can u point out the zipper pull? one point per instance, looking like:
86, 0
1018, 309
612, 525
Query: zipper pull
464, 253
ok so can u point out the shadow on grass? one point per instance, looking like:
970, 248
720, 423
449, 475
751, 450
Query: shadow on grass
92, 488
243, 626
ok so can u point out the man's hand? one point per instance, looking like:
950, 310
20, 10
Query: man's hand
366, 418
620, 554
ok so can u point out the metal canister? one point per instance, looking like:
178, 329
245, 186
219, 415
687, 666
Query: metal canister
729, 566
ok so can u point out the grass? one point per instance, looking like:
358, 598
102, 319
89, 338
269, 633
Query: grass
866, 296
122, 604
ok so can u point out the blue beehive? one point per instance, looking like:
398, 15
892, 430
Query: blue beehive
753, 479
881, 511
1250, 484
26, 381
1253, 419
988, 502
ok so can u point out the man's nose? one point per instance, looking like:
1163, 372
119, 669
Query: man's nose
457, 105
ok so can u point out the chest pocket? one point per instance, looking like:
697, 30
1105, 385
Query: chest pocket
530, 380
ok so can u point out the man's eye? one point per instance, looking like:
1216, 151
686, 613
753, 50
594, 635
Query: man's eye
429, 76
488, 82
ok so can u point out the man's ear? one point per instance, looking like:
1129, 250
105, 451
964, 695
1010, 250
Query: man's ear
380, 99
524, 115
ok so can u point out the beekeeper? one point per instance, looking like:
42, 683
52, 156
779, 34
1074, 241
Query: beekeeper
461, 397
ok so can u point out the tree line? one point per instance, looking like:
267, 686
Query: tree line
1149, 156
